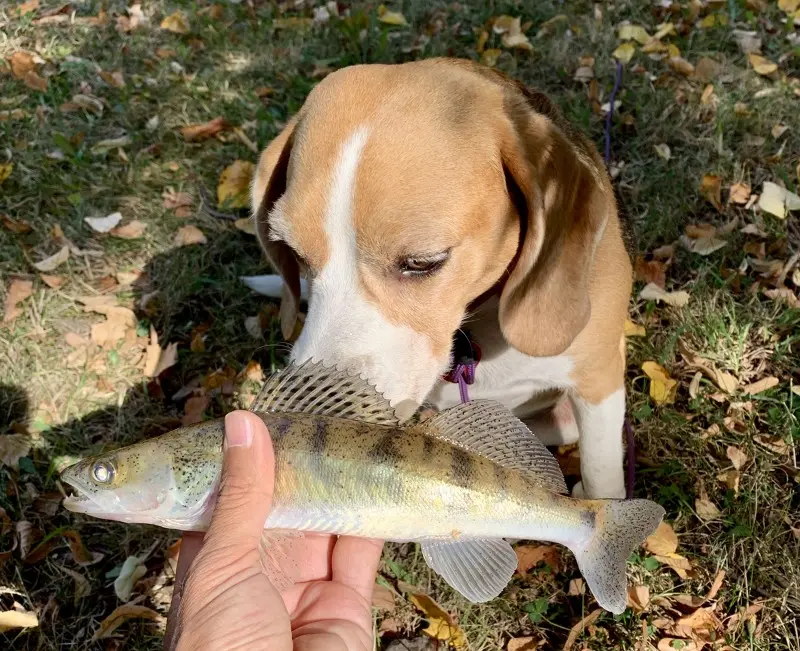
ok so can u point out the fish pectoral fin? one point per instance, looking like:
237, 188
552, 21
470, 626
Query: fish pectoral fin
489, 429
277, 560
478, 568
317, 390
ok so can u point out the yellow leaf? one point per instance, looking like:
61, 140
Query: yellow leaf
633, 33
663, 388
663, 151
634, 329
665, 29
624, 53
17, 619
789, 6
673, 51
777, 200
391, 17
490, 56
176, 23
293, 22
121, 615
189, 235
662, 541
233, 190
5, 170
482, 39
440, 624
762, 65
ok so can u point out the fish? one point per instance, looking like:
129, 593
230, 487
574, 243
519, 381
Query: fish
459, 483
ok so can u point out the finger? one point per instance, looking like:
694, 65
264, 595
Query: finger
355, 563
190, 545
248, 474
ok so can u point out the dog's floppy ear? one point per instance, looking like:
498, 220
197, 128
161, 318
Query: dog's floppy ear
563, 195
269, 183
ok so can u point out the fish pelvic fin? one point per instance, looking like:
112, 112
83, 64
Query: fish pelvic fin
487, 428
620, 527
477, 568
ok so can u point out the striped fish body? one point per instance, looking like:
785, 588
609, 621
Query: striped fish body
345, 477
458, 483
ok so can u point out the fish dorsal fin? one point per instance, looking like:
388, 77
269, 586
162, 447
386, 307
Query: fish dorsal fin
318, 390
487, 428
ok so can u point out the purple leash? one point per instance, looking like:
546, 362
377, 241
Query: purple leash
630, 466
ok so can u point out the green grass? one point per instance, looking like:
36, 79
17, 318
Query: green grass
73, 409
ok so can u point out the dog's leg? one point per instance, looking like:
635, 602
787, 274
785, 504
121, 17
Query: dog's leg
554, 426
600, 427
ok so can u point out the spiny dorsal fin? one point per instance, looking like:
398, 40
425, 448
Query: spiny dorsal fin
489, 429
314, 389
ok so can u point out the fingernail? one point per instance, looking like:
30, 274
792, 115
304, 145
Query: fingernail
238, 431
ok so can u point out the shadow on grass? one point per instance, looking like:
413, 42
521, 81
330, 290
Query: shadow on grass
186, 291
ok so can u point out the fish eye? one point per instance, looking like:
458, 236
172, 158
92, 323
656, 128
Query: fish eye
103, 472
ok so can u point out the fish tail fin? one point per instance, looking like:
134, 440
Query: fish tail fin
620, 527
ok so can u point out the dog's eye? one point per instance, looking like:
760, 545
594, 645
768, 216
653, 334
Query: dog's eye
423, 264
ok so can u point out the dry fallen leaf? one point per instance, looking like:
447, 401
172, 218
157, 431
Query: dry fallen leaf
762, 65
391, 17
577, 587
634, 329
633, 33
22, 63
440, 624
739, 193
524, 644
382, 598
638, 597
18, 291
624, 53
706, 509
490, 56
53, 282
576, 630
12, 448
711, 189
652, 292
177, 23
10, 619
194, 409
82, 586
5, 170
54, 261
187, 235
529, 556
727, 382
200, 132
777, 200
123, 614
737, 457
764, 384
180, 202
703, 245
27, 7
104, 224
131, 231
233, 191
681, 65
663, 388
716, 585
132, 570
694, 385
663, 151
662, 541
18, 226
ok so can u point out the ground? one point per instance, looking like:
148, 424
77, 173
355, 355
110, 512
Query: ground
95, 97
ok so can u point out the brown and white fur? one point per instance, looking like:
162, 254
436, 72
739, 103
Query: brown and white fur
386, 168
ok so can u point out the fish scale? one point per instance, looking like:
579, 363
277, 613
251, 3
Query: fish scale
459, 483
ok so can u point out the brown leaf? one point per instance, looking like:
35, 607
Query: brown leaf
706, 509
711, 189
706, 70
114, 79
18, 226
188, 235
662, 541
177, 23
638, 597
576, 630
524, 643
731, 479
382, 597
80, 554
130, 231
764, 384
737, 457
744, 614
28, 536
193, 410
121, 615
35, 81
200, 132
681, 65
27, 7
12, 448
180, 202
21, 64
529, 556
53, 282
724, 380
82, 586
715, 587
54, 261
441, 625
650, 271
783, 295
18, 291
679, 564
702, 619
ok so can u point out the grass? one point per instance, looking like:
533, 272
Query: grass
71, 406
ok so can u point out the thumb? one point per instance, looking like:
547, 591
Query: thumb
248, 475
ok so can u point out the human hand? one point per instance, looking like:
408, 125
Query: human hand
223, 600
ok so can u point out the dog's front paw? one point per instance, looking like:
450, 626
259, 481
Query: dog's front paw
598, 492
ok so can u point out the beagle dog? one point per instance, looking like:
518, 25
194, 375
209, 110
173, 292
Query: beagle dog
419, 198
